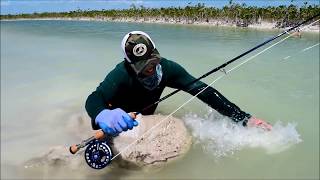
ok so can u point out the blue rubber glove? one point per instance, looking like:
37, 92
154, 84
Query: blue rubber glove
113, 122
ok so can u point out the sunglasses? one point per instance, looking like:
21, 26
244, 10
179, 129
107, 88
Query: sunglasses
145, 67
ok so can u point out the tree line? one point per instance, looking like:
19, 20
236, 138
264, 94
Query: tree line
234, 13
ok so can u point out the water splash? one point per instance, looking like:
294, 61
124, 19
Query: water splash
221, 137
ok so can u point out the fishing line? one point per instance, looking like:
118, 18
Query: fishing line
225, 73
305, 49
232, 60
310, 47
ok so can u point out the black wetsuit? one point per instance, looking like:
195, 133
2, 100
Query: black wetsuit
121, 89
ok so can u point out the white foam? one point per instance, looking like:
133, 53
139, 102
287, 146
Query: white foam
221, 137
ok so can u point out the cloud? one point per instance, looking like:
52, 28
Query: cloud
31, 6
10, 2
4, 3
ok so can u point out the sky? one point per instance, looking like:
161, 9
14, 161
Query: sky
31, 6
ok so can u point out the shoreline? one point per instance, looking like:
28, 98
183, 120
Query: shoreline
263, 25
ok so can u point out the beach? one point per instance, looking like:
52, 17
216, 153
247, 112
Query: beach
262, 25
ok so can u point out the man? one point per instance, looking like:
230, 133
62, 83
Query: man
297, 33
139, 80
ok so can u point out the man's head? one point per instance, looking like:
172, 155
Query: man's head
140, 52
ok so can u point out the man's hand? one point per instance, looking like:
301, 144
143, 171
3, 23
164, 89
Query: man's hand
113, 122
255, 122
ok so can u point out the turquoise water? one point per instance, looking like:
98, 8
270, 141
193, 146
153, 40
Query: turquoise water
48, 68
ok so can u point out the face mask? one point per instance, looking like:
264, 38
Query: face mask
151, 82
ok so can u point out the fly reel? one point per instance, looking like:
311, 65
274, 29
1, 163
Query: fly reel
98, 154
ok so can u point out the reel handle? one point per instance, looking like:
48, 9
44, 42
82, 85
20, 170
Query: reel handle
99, 134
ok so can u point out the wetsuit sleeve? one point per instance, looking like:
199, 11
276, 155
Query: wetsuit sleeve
99, 99
180, 78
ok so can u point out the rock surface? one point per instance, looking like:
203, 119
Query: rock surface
164, 142
156, 140
57, 156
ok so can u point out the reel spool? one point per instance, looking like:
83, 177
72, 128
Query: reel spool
98, 154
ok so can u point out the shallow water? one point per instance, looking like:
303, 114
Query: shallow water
48, 68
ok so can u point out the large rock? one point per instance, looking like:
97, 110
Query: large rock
155, 141
164, 142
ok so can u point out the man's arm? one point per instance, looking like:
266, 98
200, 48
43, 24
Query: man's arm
100, 99
179, 78
95, 103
